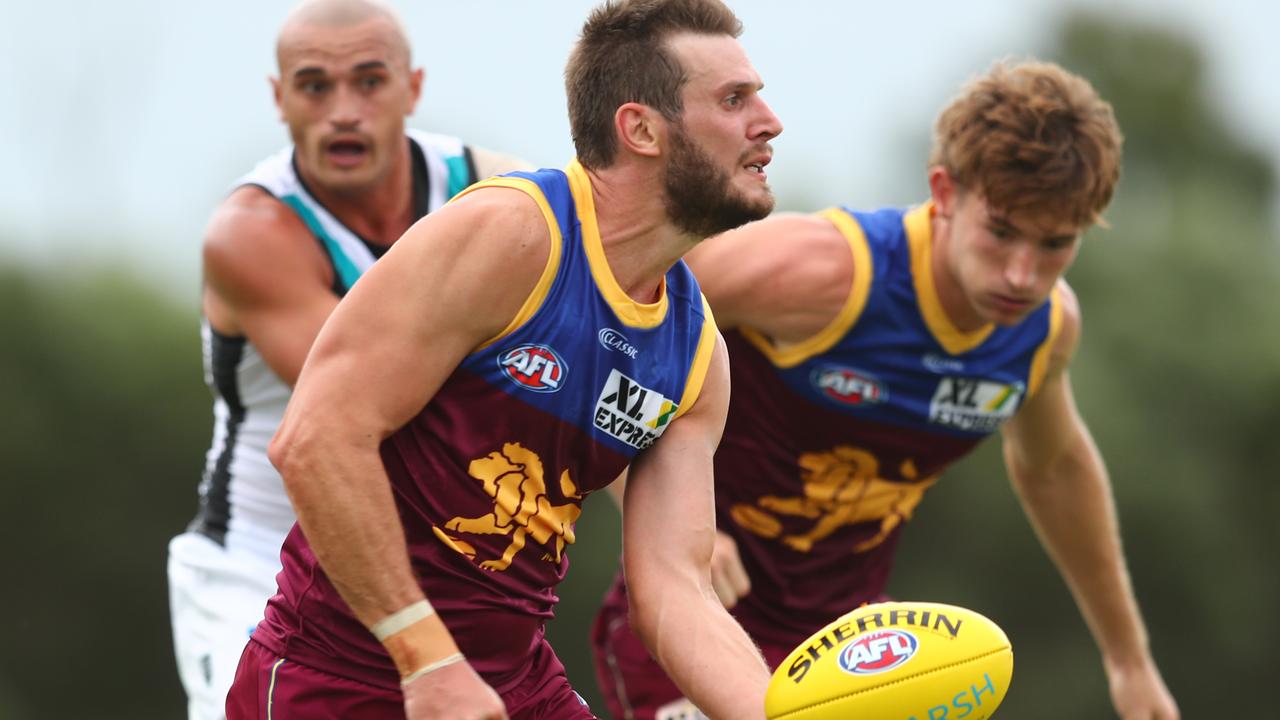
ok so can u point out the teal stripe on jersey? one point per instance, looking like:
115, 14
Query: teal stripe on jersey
458, 174
347, 271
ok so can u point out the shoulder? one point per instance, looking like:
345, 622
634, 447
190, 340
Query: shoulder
786, 275
498, 231
814, 249
498, 213
791, 246
1069, 328
251, 230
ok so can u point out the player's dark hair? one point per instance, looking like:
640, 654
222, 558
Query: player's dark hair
623, 56
1032, 137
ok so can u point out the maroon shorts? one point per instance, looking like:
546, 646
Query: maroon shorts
288, 690
634, 686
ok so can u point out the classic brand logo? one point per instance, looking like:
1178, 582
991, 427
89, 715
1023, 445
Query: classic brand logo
631, 412
941, 364
534, 367
974, 405
878, 652
848, 386
614, 340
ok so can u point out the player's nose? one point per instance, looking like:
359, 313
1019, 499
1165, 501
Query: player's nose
1020, 269
344, 113
767, 125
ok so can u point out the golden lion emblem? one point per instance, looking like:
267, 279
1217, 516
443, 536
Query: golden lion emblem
841, 487
521, 508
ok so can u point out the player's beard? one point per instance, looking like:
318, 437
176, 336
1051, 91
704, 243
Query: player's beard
700, 199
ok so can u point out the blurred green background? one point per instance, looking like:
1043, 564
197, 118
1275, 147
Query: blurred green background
107, 420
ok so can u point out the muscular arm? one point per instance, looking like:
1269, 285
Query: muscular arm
266, 279
452, 282
786, 276
1062, 482
668, 534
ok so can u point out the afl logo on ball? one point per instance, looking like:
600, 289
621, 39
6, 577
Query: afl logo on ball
534, 367
877, 652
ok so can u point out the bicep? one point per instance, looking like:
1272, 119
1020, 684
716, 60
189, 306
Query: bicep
670, 488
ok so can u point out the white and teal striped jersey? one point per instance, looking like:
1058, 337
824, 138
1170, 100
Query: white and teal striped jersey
243, 505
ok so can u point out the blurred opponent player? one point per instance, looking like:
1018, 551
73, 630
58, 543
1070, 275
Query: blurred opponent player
870, 350
280, 250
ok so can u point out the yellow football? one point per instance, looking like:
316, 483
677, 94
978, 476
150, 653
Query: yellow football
895, 661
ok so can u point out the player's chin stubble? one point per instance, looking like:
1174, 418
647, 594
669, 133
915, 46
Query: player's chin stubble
699, 198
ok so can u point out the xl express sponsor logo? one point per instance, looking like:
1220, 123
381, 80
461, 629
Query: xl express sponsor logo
631, 412
974, 405
534, 367
848, 386
613, 340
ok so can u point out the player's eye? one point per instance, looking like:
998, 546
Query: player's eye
314, 87
1001, 232
370, 82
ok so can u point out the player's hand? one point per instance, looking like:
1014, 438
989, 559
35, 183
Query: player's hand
1139, 693
454, 692
728, 576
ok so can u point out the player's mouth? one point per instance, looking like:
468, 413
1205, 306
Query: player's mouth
346, 151
1011, 304
756, 164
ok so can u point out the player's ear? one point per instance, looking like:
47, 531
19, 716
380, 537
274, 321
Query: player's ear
943, 189
275, 94
639, 129
416, 77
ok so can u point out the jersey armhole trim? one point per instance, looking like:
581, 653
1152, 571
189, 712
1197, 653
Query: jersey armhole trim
701, 361
859, 289
538, 295
1040, 361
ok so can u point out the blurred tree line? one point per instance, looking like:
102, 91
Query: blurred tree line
1178, 375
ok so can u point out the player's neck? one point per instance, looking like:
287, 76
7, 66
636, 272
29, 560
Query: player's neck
380, 213
640, 242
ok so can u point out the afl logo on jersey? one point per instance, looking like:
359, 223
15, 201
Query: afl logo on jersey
534, 367
877, 652
848, 386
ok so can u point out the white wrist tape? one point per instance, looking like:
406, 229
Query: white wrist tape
401, 619
443, 662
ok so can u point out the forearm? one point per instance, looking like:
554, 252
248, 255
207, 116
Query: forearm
346, 510
1070, 506
703, 649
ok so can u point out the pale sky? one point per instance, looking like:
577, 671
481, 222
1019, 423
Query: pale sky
123, 123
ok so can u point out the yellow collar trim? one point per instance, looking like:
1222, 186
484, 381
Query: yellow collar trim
920, 241
630, 312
